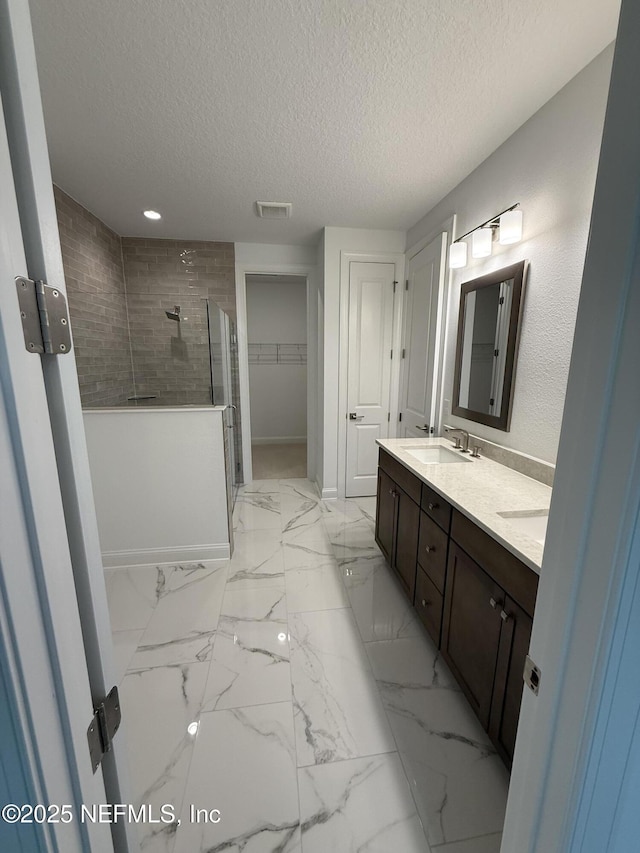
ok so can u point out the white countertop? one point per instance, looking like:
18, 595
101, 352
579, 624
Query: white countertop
480, 488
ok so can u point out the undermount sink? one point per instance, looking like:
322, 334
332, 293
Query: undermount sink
436, 455
532, 523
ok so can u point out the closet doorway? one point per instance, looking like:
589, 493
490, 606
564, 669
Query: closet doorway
277, 356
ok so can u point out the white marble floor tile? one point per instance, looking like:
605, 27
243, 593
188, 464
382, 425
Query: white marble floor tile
183, 624
484, 844
310, 534
401, 666
125, 644
337, 710
381, 609
160, 743
341, 511
315, 589
367, 507
257, 561
361, 804
309, 554
271, 486
257, 509
250, 663
133, 593
244, 765
298, 513
298, 487
352, 540
458, 781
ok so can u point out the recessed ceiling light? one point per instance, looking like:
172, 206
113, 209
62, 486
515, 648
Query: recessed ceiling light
152, 214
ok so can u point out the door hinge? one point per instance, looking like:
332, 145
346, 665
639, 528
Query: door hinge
104, 725
501, 300
403, 352
531, 675
391, 356
45, 318
388, 416
406, 284
394, 286
492, 401
496, 352
400, 416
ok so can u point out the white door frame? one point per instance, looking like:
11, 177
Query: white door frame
442, 325
308, 271
578, 752
73, 538
343, 355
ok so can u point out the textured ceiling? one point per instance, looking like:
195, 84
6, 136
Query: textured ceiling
362, 113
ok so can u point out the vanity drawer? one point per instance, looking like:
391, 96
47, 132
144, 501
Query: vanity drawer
407, 481
520, 582
428, 605
436, 506
432, 550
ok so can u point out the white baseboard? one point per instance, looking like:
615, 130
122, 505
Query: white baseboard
165, 556
329, 494
280, 439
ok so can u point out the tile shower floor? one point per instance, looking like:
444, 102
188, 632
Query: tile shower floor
293, 690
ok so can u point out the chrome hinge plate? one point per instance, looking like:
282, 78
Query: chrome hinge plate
531, 675
45, 318
104, 725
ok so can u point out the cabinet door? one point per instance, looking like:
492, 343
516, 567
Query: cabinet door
507, 693
386, 514
406, 550
471, 631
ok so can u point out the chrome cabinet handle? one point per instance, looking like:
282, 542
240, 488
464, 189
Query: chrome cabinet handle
493, 602
434, 506
505, 616
425, 603
430, 549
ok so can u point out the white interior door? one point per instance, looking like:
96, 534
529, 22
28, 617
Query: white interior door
369, 371
417, 404
43, 655
46, 443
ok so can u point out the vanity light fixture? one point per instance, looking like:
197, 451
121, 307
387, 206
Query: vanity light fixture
509, 223
152, 214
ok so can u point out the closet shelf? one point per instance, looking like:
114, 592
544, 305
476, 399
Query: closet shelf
277, 353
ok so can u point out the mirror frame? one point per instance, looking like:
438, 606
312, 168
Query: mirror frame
517, 272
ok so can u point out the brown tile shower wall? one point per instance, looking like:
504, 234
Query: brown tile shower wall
96, 292
171, 359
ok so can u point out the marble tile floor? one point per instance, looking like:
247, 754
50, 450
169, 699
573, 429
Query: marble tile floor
295, 692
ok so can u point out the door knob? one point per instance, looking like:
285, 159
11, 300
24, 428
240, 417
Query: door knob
354, 417
425, 428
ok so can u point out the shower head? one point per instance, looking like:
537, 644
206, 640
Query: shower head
175, 314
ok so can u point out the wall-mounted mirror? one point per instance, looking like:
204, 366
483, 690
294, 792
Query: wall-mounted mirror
488, 330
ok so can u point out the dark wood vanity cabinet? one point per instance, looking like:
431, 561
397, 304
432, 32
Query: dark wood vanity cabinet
489, 602
474, 597
397, 520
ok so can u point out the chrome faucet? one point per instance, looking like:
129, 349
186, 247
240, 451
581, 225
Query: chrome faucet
465, 439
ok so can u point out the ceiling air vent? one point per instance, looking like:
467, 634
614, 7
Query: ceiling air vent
274, 209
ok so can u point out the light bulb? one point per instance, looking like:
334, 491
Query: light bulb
511, 227
457, 256
481, 242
